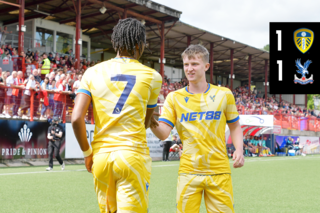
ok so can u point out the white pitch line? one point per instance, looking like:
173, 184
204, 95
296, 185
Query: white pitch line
78, 170
231, 162
23, 173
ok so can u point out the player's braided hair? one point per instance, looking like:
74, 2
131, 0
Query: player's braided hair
126, 34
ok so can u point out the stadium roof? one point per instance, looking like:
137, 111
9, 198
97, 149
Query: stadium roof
99, 27
177, 40
63, 11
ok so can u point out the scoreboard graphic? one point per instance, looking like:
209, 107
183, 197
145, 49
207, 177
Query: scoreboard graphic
294, 57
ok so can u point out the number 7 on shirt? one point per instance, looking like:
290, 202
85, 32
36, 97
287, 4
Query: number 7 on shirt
131, 81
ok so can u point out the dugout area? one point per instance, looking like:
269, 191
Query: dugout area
254, 125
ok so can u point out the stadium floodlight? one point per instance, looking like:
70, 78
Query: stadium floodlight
103, 10
232, 76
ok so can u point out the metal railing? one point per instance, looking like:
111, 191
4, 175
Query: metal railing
38, 103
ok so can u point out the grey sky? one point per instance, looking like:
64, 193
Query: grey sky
245, 21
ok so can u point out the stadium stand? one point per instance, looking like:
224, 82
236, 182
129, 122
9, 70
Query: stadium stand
42, 101
287, 115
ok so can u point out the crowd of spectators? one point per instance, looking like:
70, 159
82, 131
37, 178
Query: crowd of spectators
256, 103
49, 90
33, 60
15, 92
168, 86
65, 78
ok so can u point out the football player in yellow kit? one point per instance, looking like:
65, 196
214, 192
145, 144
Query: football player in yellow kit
200, 113
124, 94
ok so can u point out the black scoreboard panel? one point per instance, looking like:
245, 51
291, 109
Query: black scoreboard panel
294, 58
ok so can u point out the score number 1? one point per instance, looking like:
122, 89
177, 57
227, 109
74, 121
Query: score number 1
279, 62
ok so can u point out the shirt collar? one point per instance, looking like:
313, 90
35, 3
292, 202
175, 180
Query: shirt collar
193, 93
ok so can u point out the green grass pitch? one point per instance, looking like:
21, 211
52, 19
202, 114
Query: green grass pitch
270, 184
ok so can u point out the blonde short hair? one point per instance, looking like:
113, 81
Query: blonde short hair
195, 50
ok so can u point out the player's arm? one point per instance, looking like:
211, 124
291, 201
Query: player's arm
237, 138
148, 118
163, 127
161, 130
236, 133
78, 124
79, 127
152, 102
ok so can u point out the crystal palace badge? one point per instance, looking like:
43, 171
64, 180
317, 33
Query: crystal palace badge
303, 70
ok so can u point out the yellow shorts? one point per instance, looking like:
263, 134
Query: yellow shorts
218, 195
121, 180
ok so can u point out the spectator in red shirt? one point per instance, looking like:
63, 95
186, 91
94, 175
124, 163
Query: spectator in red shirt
84, 66
62, 77
58, 99
19, 83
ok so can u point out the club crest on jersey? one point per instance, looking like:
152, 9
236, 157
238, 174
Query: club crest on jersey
303, 70
186, 99
212, 97
303, 39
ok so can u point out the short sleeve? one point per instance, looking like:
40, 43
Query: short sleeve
168, 114
85, 84
155, 90
232, 114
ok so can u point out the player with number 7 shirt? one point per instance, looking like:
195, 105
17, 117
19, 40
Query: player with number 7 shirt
200, 113
124, 93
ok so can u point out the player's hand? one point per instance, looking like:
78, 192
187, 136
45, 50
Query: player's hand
154, 123
88, 162
238, 159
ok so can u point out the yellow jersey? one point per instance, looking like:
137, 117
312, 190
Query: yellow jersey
121, 90
200, 120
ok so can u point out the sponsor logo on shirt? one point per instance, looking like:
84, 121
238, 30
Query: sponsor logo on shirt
193, 116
